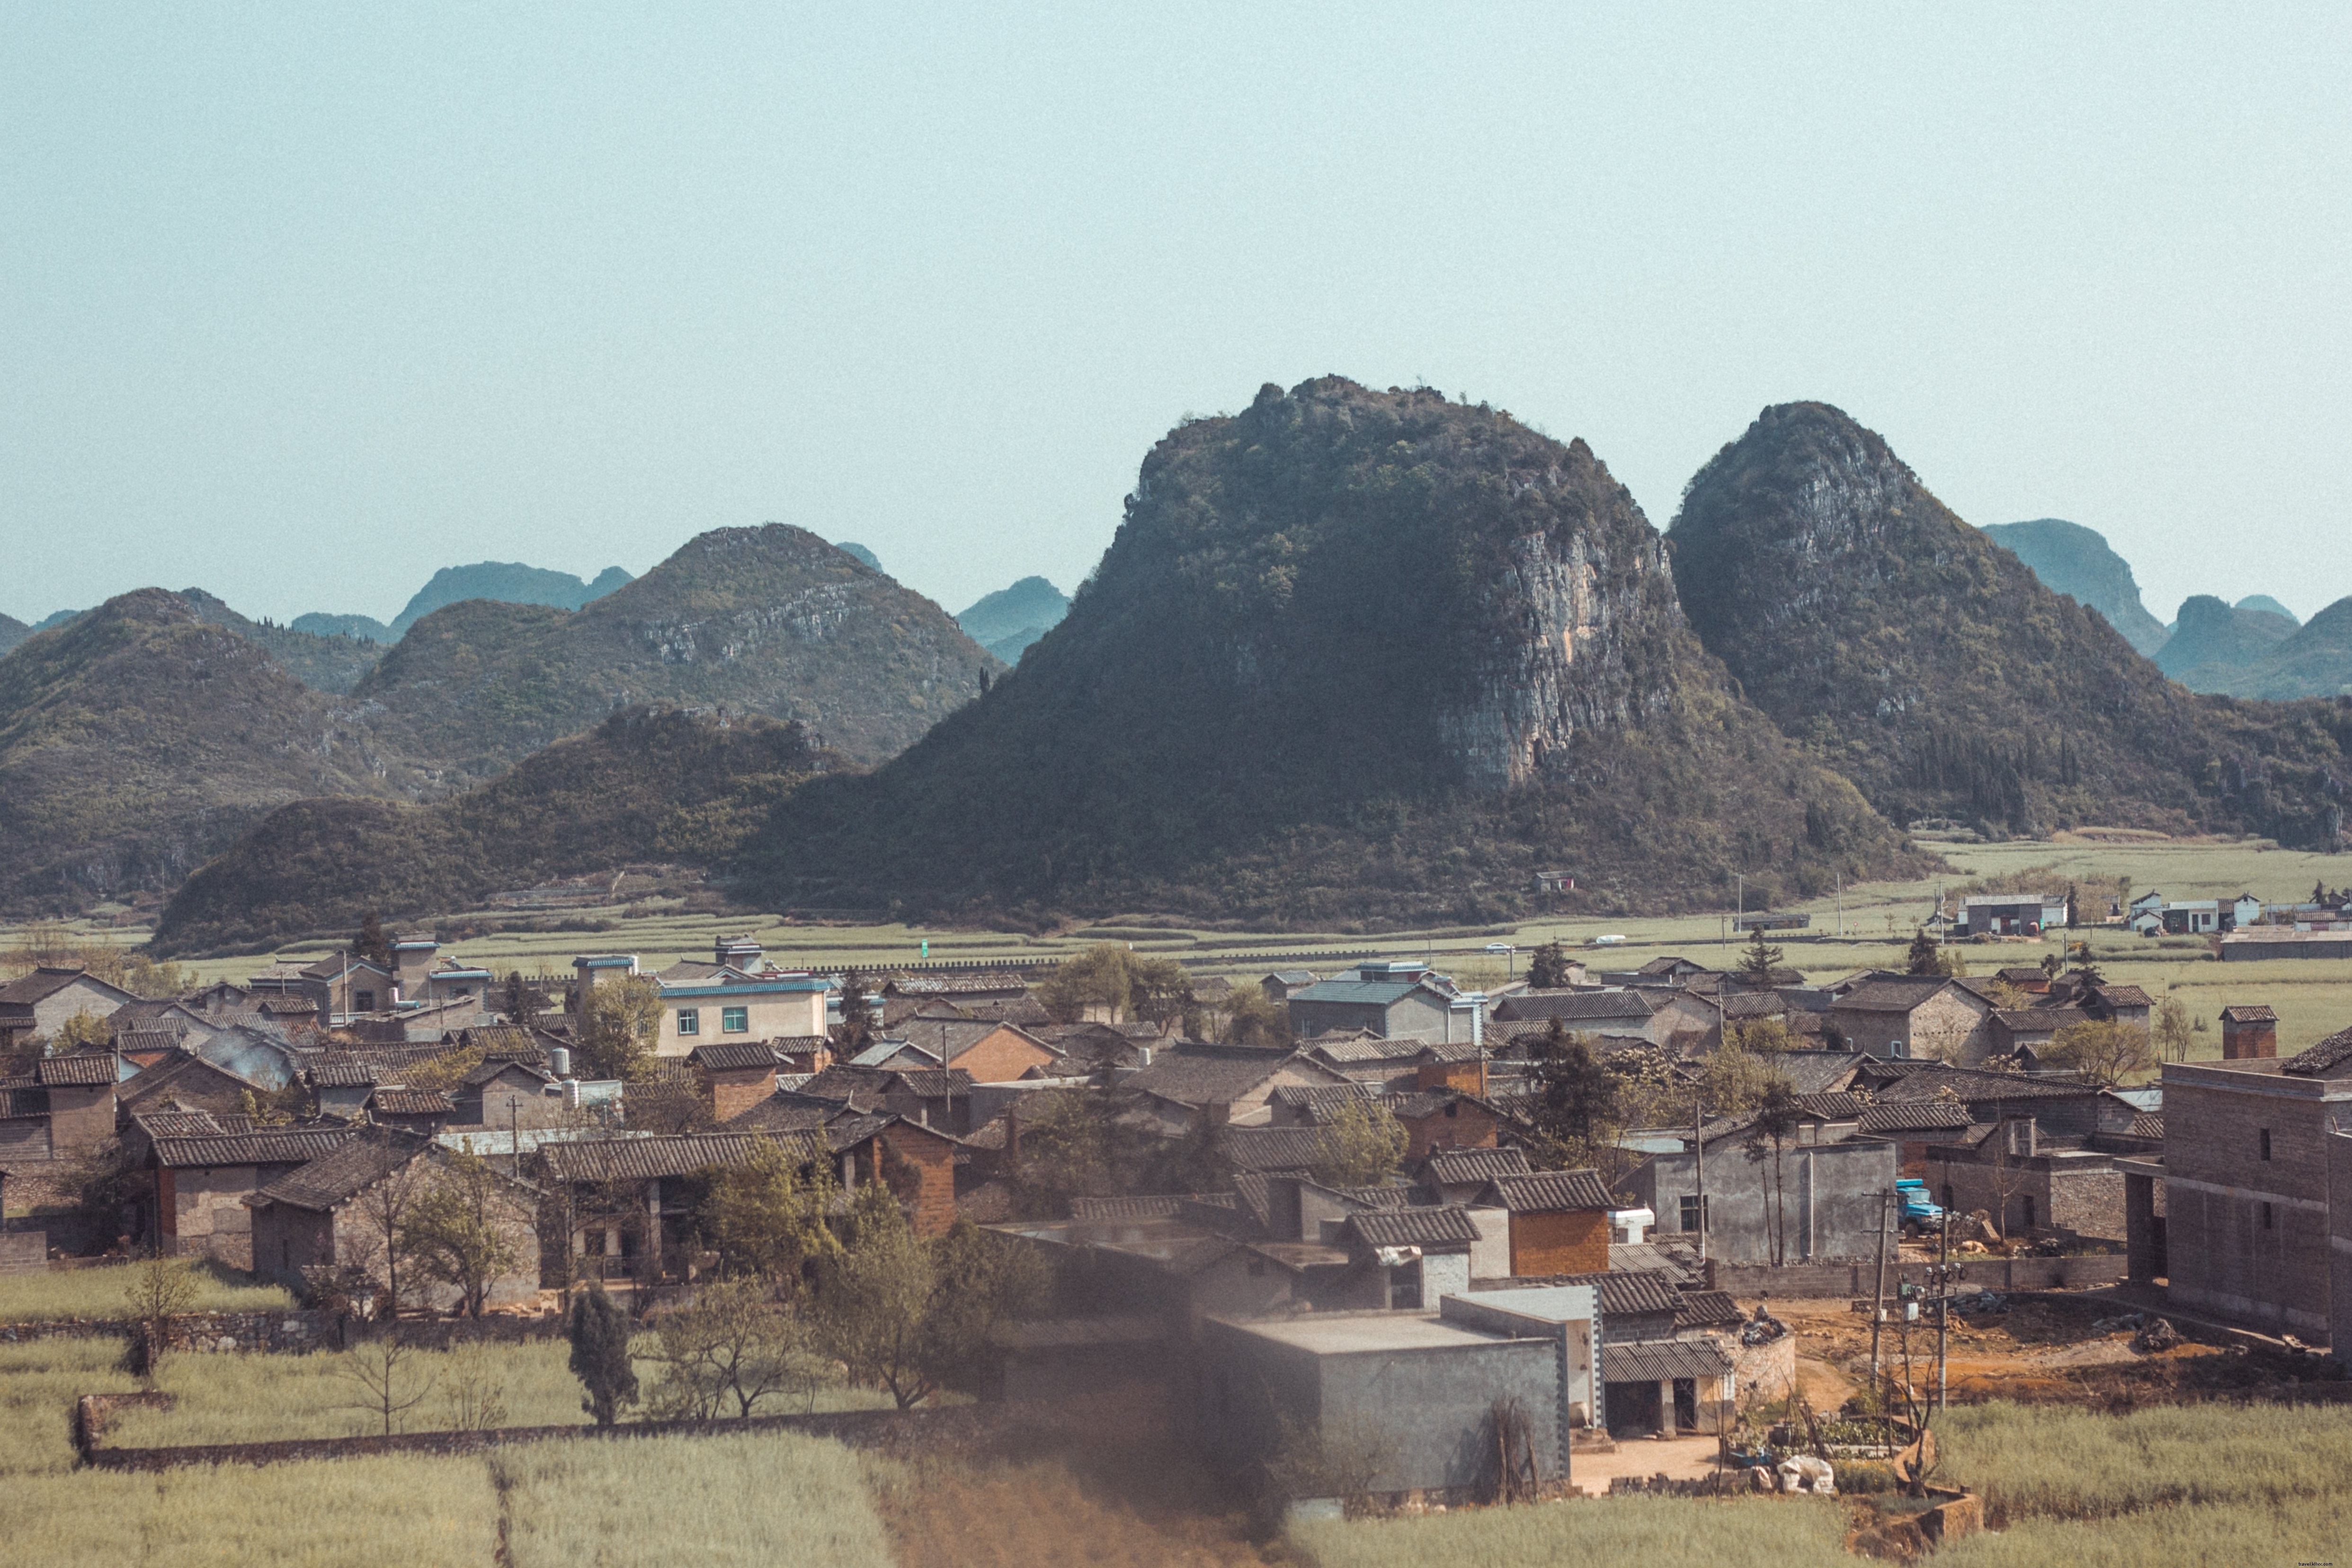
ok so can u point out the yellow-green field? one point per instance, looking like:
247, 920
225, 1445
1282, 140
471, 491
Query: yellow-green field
1865, 926
105, 1292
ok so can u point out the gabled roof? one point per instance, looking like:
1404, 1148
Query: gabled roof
83, 1069
1627, 1293
1368, 993
364, 1159
2248, 1013
1890, 995
735, 1055
341, 1074
1915, 1116
2149, 1124
45, 982
1158, 1206
1350, 1050
646, 1159
1194, 1074
410, 1102
1971, 1085
1574, 1006
1707, 1309
1550, 1191
277, 1146
2321, 1058
1319, 1099
1271, 1148
945, 1039
1452, 1167
1446, 1226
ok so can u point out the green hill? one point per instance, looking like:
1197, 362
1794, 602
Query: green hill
769, 620
1941, 676
648, 785
2214, 648
365, 627
12, 632
333, 664
1353, 657
2076, 561
2314, 660
139, 738
1007, 621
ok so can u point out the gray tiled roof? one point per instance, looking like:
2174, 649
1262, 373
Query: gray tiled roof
279, 1146
1419, 1226
411, 1102
83, 1069
1159, 1206
735, 1055
644, 1159
363, 1160
1551, 1192
1271, 1148
1193, 1074
1658, 1361
1452, 1166
1706, 1309
2329, 1053
1914, 1116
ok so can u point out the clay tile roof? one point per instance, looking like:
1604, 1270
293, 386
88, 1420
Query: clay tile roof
83, 1069
411, 1102
1360, 1050
735, 1055
1451, 1166
1455, 1051
1627, 1293
177, 1123
342, 1074
1195, 1074
1572, 1006
2148, 1124
1914, 1116
1657, 1361
1424, 1226
40, 985
645, 1159
1271, 1148
1156, 1207
2248, 1014
1549, 1192
275, 1146
937, 1083
1706, 1309
1836, 1107
2331, 1052
1320, 1096
363, 1160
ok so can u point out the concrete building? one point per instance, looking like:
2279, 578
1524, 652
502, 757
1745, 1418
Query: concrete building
1915, 1017
1830, 1198
727, 1008
2028, 1183
2340, 1244
1402, 1000
36, 1007
1418, 1389
2013, 914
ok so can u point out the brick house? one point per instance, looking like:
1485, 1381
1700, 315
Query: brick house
736, 1075
36, 1007
1446, 1118
200, 1184
1559, 1221
990, 1051
2028, 1183
1192, 1079
319, 1213
2248, 1031
2246, 1206
81, 1090
1916, 1016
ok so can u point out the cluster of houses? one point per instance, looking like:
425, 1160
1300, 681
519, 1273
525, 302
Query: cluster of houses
266, 1124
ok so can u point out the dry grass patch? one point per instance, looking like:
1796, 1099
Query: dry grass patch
59, 1294
40, 1382
2230, 1535
1601, 1532
2050, 1461
757, 1498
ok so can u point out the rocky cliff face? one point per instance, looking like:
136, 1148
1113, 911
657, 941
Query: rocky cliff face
1352, 656
1939, 674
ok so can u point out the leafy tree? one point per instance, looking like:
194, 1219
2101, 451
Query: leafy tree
523, 1001
1160, 989
1549, 971
1246, 1016
84, 1031
1576, 1098
1762, 1035
1923, 958
1734, 1080
1778, 1117
160, 1288
371, 943
855, 1030
383, 1211
736, 1344
2101, 1051
620, 1020
2072, 920
1359, 1143
1066, 1150
1758, 962
599, 1331
910, 1316
458, 1231
156, 979
768, 1220
669, 1098
1101, 979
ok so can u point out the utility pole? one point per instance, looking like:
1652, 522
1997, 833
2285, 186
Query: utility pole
1944, 1315
1878, 1300
1698, 1148
1841, 903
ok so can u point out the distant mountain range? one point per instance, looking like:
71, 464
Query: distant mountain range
507, 582
1007, 621
2076, 561
140, 739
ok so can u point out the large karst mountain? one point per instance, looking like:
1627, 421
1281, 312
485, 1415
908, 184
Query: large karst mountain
1353, 657
141, 738
1941, 676
2078, 562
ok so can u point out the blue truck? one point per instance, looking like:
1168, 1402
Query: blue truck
1920, 1211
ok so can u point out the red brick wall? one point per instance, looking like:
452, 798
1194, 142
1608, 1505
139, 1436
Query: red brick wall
932, 1159
1001, 1057
732, 1093
1471, 1126
1573, 1242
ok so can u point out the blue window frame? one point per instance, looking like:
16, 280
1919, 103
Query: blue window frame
735, 1020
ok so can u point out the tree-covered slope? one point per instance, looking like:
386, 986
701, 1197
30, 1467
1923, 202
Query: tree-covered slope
2313, 660
2079, 562
508, 583
2214, 646
12, 632
769, 620
1352, 657
1942, 677
322, 663
646, 784
139, 738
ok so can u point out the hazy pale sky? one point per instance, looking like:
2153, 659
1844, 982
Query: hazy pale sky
298, 304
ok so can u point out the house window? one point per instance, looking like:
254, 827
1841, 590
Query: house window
2266, 1142
363, 1001
1694, 1212
734, 1020
690, 1020
2029, 1214
2270, 1220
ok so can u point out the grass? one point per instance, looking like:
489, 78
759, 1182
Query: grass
262, 1398
757, 1498
2045, 1460
38, 1383
1608, 1533
59, 1294
2224, 1536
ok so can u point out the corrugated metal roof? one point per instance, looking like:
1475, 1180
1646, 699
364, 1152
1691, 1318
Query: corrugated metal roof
1706, 1309
1658, 1360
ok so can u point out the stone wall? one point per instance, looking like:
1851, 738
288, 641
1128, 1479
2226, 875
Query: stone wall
1859, 1278
292, 1331
23, 1251
1762, 1371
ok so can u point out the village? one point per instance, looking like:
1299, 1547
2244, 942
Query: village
1364, 1239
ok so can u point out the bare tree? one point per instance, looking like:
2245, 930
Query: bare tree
384, 1211
160, 1288
384, 1384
